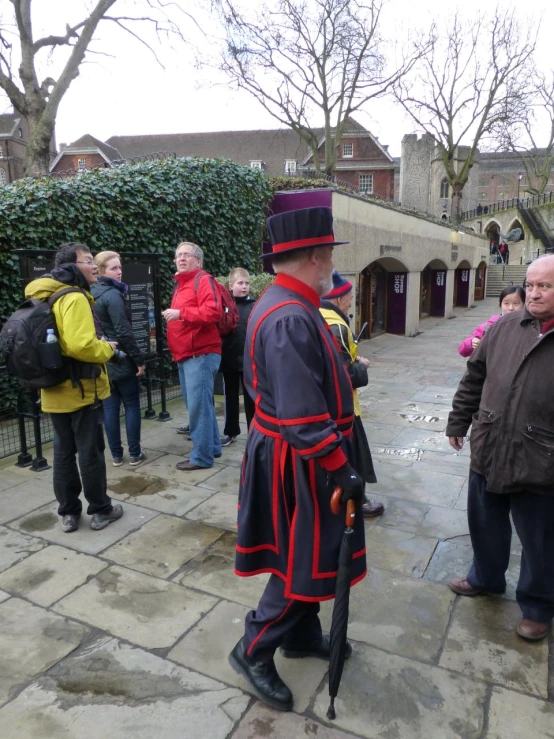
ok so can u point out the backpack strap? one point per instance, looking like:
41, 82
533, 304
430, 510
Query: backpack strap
200, 274
54, 298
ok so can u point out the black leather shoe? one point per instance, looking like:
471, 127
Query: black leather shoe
320, 649
263, 677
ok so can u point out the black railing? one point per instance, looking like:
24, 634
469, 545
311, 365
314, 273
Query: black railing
23, 426
487, 210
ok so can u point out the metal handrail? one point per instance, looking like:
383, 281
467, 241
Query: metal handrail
529, 202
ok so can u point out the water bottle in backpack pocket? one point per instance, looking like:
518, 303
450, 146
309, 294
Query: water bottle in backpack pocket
49, 352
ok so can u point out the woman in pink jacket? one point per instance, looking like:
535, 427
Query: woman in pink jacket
511, 299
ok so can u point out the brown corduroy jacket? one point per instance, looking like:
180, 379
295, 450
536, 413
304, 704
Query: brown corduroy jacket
507, 396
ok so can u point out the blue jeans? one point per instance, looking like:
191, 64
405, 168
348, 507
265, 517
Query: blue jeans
197, 377
127, 390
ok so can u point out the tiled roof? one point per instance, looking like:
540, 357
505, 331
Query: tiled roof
90, 142
7, 123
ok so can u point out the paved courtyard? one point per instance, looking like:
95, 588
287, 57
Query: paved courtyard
124, 633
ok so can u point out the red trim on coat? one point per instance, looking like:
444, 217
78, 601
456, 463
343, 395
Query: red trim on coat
318, 447
292, 421
275, 493
302, 243
282, 464
313, 599
296, 286
334, 460
258, 548
317, 521
266, 432
268, 625
263, 571
335, 376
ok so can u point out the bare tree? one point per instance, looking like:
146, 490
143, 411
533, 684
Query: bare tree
39, 100
520, 134
472, 76
308, 59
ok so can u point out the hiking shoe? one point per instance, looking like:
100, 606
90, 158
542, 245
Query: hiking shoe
183, 429
70, 523
117, 461
101, 520
137, 460
227, 440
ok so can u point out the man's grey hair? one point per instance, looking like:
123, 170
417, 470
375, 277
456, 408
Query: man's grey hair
290, 262
197, 251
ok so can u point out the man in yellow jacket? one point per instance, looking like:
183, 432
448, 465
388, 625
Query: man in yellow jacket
334, 308
74, 405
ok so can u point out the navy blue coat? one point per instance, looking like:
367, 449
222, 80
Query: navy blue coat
302, 428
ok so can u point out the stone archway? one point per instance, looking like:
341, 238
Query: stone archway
492, 231
480, 281
381, 299
433, 289
461, 284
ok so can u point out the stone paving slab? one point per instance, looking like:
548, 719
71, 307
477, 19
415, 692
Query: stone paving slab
213, 572
516, 716
118, 691
261, 721
164, 466
199, 651
383, 695
31, 641
50, 574
162, 546
226, 480
166, 496
3, 596
144, 610
15, 546
419, 518
482, 643
411, 483
219, 510
23, 498
46, 524
398, 614
398, 551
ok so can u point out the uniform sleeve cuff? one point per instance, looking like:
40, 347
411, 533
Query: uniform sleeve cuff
333, 461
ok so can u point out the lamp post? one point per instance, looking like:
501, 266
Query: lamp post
519, 178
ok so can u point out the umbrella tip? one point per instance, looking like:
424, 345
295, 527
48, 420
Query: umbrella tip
331, 713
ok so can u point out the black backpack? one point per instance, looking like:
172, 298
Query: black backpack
23, 343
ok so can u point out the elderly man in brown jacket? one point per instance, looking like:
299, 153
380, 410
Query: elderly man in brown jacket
507, 397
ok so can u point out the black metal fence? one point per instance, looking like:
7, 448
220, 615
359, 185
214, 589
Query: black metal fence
24, 429
487, 210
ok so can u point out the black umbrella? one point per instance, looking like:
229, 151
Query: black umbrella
339, 623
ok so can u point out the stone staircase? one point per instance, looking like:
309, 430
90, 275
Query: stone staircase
500, 276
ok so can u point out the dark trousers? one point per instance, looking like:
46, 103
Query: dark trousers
80, 433
126, 391
491, 534
279, 621
233, 382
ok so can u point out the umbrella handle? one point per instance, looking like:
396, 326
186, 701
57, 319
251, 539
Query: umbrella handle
350, 506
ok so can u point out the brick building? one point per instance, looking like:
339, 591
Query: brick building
14, 134
362, 161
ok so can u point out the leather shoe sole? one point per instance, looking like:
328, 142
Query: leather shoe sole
371, 510
238, 663
188, 466
320, 650
461, 586
532, 630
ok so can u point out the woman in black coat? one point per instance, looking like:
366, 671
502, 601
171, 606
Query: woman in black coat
114, 313
232, 353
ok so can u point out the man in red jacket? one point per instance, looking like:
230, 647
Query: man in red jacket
195, 345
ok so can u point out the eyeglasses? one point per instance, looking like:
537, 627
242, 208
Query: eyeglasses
85, 261
186, 256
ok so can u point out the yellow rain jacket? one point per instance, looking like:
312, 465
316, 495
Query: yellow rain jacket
345, 337
77, 336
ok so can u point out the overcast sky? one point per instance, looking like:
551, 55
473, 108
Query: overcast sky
130, 93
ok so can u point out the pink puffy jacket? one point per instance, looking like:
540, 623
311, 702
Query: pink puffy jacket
465, 349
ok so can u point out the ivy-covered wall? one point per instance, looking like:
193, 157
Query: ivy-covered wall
146, 207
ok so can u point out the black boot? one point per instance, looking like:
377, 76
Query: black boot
263, 677
319, 649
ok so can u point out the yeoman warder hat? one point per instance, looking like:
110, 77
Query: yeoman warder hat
306, 228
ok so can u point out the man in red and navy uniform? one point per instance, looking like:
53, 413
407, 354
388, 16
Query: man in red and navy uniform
299, 449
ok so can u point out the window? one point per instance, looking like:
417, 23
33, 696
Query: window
444, 188
2, 177
1, 153
257, 164
20, 133
290, 166
365, 184
82, 165
348, 150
